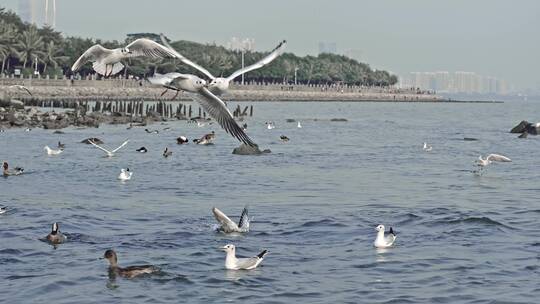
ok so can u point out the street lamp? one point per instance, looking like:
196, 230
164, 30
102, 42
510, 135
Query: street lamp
295, 70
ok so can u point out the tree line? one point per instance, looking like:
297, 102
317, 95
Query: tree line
25, 46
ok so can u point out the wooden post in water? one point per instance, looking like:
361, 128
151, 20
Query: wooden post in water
189, 111
250, 110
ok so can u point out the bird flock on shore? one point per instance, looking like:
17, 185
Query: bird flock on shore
108, 62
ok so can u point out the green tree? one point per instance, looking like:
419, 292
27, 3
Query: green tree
53, 56
30, 46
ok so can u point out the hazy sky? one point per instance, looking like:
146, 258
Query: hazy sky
490, 37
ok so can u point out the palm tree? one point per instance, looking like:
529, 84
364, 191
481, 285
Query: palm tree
29, 46
8, 33
52, 56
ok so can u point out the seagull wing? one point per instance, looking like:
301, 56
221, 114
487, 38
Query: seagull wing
149, 48
216, 108
226, 223
244, 219
499, 158
185, 60
248, 263
94, 53
165, 79
121, 146
100, 147
259, 64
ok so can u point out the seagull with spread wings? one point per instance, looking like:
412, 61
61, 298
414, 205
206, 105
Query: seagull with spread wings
220, 85
109, 153
213, 105
106, 61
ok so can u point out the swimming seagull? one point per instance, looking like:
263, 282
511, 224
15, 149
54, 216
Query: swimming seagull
3, 210
109, 153
125, 174
106, 62
299, 125
427, 147
228, 226
220, 85
284, 138
384, 239
270, 125
56, 237
234, 263
52, 151
213, 105
126, 272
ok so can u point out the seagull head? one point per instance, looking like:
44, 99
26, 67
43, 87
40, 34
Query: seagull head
380, 228
125, 51
220, 84
228, 248
198, 83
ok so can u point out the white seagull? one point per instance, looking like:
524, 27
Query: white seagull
220, 85
384, 239
234, 263
227, 225
125, 174
3, 210
213, 105
52, 151
299, 125
427, 147
270, 125
109, 153
20, 87
483, 162
107, 62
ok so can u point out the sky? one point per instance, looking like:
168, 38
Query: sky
490, 37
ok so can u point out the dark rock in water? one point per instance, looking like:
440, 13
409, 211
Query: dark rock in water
338, 119
524, 134
244, 149
290, 120
59, 132
93, 139
469, 139
524, 125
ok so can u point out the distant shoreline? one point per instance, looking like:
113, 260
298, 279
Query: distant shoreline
64, 90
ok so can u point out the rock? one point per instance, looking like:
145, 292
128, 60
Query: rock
17, 104
59, 132
244, 149
93, 139
290, 120
525, 126
338, 119
56, 124
469, 139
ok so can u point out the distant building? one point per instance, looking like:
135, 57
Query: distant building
327, 47
458, 82
38, 12
238, 44
354, 54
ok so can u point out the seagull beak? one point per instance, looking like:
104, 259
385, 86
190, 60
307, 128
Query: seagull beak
223, 248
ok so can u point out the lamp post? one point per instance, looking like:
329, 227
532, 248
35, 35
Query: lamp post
295, 70
243, 52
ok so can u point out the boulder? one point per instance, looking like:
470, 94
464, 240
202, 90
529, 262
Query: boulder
244, 149
525, 126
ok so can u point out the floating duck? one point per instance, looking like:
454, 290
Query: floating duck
7, 172
126, 272
61, 145
56, 237
284, 138
207, 139
167, 153
182, 140
142, 150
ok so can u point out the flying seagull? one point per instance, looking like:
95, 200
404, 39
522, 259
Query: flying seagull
220, 85
234, 263
109, 153
227, 225
106, 62
20, 87
483, 162
384, 239
213, 105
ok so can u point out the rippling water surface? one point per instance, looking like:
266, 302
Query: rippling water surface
315, 200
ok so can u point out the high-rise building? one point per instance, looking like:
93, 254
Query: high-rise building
327, 47
458, 82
